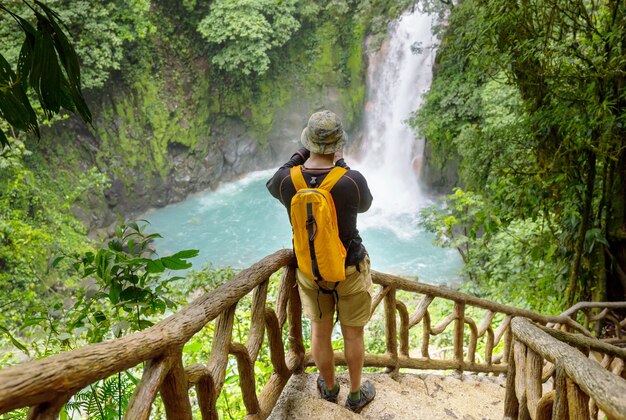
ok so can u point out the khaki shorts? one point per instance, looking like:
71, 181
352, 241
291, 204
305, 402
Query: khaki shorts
355, 296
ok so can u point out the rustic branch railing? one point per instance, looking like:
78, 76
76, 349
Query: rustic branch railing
46, 385
601, 318
464, 346
581, 386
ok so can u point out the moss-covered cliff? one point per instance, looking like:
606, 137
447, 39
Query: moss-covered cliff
169, 123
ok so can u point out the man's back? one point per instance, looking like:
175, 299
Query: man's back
351, 196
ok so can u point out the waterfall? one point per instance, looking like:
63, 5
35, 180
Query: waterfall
391, 157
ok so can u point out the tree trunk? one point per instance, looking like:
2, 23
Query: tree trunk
616, 261
574, 276
602, 215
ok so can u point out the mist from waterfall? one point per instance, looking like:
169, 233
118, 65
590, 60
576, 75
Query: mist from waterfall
391, 157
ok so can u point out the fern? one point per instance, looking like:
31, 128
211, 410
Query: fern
105, 399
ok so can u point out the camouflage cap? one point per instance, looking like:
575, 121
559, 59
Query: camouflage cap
324, 133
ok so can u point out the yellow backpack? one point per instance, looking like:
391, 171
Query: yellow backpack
319, 251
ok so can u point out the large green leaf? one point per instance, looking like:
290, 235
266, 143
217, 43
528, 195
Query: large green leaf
187, 253
25, 60
56, 84
114, 292
144, 323
69, 60
175, 263
134, 294
12, 109
45, 77
155, 266
14, 104
25, 25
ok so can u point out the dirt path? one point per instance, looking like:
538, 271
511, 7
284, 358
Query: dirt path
409, 396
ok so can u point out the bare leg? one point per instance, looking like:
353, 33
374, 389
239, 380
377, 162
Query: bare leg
355, 354
322, 350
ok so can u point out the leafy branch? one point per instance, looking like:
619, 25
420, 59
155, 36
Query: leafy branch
48, 64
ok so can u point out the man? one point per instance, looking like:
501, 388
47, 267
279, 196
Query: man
323, 139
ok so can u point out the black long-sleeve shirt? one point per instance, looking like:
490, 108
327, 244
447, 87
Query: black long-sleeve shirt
351, 195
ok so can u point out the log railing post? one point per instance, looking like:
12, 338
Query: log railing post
211, 386
560, 410
49, 410
421, 310
489, 347
287, 281
174, 392
207, 395
296, 340
459, 325
534, 366
274, 339
257, 320
153, 376
545, 406
378, 297
391, 330
426, 331
511, 404
519, 353
508, 339
577, 402
473, 341
245, 366
404, 328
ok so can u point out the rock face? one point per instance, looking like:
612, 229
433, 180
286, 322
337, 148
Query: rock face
179, 128
408, 396
148, 171
441, 178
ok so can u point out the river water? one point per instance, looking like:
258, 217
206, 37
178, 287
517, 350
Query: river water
240, 223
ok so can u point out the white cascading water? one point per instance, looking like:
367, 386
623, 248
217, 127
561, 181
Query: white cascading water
391, 159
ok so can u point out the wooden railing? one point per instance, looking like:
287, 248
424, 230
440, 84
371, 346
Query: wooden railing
464, 345
46, 385
581, 386
600, 319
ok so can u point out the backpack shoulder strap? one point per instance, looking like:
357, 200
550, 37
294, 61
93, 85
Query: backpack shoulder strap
297, 178
333, 176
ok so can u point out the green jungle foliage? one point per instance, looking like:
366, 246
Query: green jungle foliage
48, 64
99, 32
116, 290
155, 75
35, 224
146, 71
245, 30
530, 102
